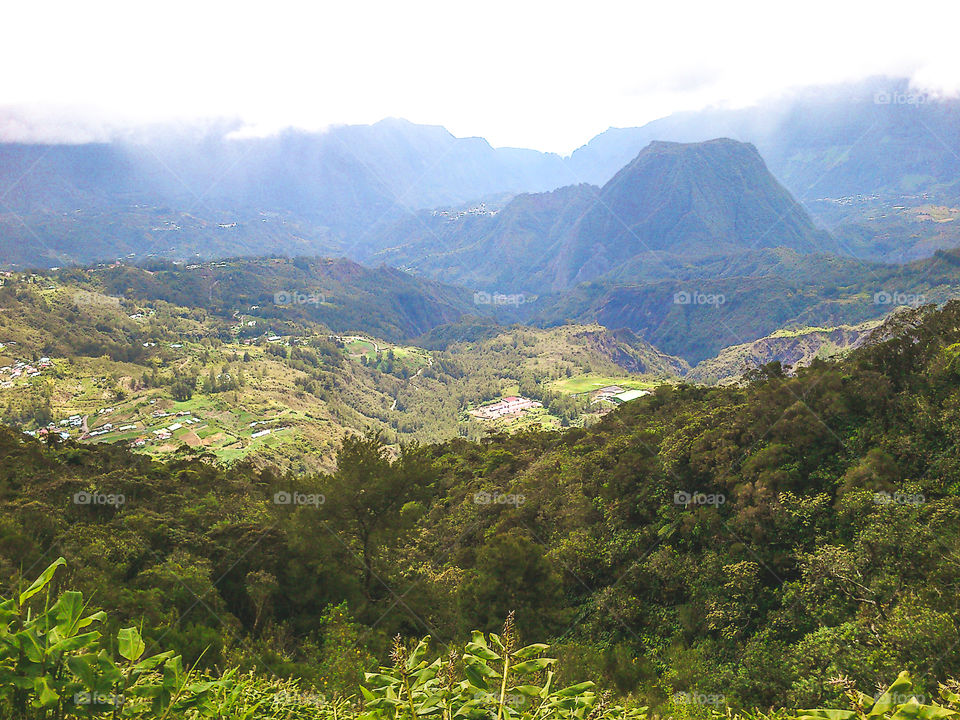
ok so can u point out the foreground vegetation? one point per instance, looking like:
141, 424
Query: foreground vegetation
54, 665
748, 543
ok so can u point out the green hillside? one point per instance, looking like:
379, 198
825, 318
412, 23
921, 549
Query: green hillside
697, 314
241, 377
792, 348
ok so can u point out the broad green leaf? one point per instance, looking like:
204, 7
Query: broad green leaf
418, 654
380, 679
481, 667
152, 662
886, 702
576, 689
826, 715
481, 651
913, 710
530, 651
531, 666
935, 712
41, 582
46, 696
474, 676
77, 642
68, 611
131, 645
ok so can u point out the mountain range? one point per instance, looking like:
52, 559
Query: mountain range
181, 193
874, 162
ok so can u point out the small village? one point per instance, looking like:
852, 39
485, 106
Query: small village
22, 369
454, 215
506, 407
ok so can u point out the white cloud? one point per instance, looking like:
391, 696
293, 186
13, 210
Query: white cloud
537, 74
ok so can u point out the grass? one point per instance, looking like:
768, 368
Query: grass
786, 333
587, 383
537, 417
359, 348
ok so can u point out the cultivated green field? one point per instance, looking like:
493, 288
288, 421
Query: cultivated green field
588, 383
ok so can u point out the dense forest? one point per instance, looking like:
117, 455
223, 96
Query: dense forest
751, 542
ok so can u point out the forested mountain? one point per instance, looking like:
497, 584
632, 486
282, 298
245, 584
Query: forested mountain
673, 203
338, 293
747, 542
877, 136
791, 348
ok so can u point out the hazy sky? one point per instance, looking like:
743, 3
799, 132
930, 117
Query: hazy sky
547, 75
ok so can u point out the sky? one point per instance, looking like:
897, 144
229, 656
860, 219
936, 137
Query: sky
525, 73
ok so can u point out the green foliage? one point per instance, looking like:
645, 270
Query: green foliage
897, 702
491, 678
54, 665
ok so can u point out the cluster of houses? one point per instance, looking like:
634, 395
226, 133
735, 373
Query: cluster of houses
507, 406
260, 433
50, 429
183, 418
164, 413
22, 369
454, 215
165, 433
